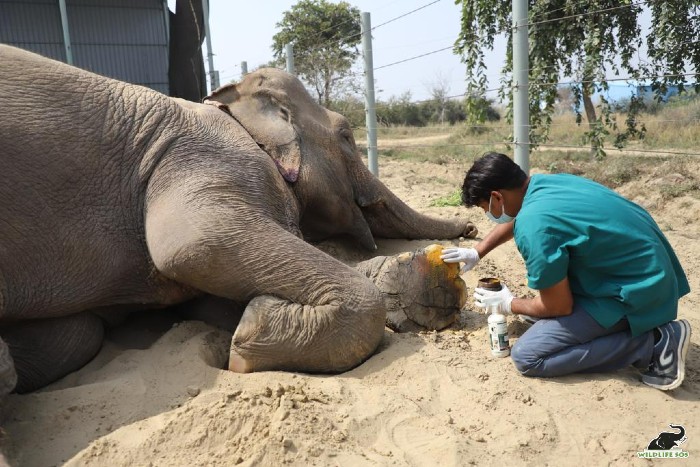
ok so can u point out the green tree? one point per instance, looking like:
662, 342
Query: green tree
324, 37
587, 41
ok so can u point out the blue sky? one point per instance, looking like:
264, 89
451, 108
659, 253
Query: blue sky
243, 30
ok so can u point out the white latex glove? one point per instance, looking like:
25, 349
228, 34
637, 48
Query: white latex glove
468, 256
483, 296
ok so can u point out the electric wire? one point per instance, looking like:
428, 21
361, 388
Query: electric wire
404, 15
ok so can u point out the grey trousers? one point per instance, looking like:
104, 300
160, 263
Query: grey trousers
578, 344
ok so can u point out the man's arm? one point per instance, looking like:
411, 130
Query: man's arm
551, 302
498, 236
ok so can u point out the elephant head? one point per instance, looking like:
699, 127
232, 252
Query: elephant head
315, 152
667, 440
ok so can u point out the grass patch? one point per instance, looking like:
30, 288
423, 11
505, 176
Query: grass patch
613, 172
453, 199
676, 190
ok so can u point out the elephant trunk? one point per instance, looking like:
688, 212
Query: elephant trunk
389, 217
681, 434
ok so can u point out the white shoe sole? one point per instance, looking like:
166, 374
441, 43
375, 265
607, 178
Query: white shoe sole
685, 345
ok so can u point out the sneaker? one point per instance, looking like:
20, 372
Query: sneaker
667, 368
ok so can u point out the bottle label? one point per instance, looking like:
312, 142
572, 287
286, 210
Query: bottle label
499, 336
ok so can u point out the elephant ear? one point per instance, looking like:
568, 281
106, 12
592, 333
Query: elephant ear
267, 121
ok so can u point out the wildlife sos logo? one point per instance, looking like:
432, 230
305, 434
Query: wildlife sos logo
666, 445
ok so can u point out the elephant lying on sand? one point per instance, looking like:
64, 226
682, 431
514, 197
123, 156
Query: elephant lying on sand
116, 197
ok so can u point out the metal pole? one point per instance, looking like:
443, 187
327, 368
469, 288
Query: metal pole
66, 31
370, 111
289, 52
166, 18
521, 102
213, 75
244, 68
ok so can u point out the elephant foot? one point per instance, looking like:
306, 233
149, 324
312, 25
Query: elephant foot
422, 291
237, 362
45, 350
276, 334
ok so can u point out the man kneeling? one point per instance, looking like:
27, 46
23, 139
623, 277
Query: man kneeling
608, 280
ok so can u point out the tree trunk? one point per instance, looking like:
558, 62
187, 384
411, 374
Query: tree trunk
590, 115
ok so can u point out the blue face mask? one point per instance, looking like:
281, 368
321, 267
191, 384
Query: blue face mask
502, 219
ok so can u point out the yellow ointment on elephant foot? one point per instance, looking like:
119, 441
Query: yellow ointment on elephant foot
422, 292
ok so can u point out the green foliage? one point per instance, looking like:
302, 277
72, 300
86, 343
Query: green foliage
482, 108
399, 110
351, 107
453, 199
402, 111
324, 37
588, 41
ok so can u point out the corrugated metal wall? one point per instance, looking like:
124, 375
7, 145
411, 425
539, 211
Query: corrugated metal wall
33, 25
122, 39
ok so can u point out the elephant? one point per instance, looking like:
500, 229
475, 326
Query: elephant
667, 440
118, 198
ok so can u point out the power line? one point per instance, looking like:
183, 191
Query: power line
423, 146
405, 14
588, 13
335, 26
506, 143
629, 78
413, 58
413, 45
562, 8
645, 151
338, 41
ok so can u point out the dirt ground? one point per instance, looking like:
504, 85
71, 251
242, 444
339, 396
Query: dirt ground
154, 397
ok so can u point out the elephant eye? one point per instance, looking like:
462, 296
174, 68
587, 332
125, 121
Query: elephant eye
346, 134
285, 114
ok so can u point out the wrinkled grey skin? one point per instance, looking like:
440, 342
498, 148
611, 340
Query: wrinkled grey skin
115, 197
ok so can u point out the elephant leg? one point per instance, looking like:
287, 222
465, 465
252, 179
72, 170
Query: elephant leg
48, 349
216, 311
277, 334
420, 290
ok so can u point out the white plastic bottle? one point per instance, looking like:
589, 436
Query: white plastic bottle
498, 330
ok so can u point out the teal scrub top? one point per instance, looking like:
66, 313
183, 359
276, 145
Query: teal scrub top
618, 261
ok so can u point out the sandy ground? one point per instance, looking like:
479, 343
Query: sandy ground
154, 396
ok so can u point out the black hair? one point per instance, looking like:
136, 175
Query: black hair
491, 172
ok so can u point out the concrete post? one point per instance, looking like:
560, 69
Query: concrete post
370, 110
289, 53
521, 102
244, 68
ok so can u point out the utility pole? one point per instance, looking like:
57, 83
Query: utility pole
370, 109
213, 74
521, 101
66, 32
289, 52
